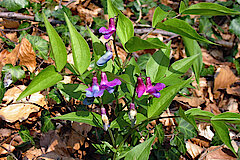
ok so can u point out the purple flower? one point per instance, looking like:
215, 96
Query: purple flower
106, 57
104, 119
108, 85
153, 90
94, 90
111, 29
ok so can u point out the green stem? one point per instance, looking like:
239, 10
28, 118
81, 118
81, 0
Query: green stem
112, 137
149, 33
115, 49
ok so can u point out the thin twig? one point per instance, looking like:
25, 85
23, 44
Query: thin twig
152, 29
140, 12
16, 30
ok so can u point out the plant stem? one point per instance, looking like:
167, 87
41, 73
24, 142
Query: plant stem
112, 137
115, 49
149, 33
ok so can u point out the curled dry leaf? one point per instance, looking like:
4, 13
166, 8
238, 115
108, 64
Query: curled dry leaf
234, 91
192, 101
33, 153
193, 149
205, 131
216, 152
21, 111
224, 78
7, 58
9, 147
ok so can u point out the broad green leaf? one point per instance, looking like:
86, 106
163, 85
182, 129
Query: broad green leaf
142, 61
179, 142
136, 44
182, 28
229, 117
57, 45
80, 48
186, 128
158, 16
180, 67
87, 117
189, 118
167, 94
158, 63
46, 122
125, 28
15, 71
25, 135
40, 45
159, 132
223, 133
46, 78
14, 5
173, 153
98, 47
235, 26
192, 48
210, 9
182, 7
141, 151
72, 90
198, 113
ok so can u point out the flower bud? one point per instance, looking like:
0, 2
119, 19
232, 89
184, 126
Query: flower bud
132, 114
104, 119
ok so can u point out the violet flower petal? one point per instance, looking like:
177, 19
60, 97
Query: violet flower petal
103, 30
141, 88
105, 58
111, 29
159, 86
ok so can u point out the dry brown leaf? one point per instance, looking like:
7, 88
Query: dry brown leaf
234, 91
87, 15
192, 101
166, 121
32, 153
7, 58
128, 12
21, 111
9, 23
224, 78
4, 132
9, 147
212, 107
205, 131
54, 156
12, 36
232, 105
193, 149
201, 143
216, 153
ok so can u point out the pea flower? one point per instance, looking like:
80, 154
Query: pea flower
132, 114
94, 90
149, 89
108, 85
111, 29
106, 57
104, 119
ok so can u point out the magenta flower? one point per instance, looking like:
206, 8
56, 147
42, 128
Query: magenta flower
111, 29
108, 85
106, 57
104, 119
94, 90
149, 89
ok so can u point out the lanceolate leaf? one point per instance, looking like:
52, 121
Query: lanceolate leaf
57, 45
25, 135
211, 9
167, 94
46, 121
135, 44
192, 48
158, 16
125, 28
141, 151
182, 28
178, 141
91, 118
46, 78
223, 133
80, 48
198, 113
228, 117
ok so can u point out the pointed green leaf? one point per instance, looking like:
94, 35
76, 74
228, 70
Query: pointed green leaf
223, 133
46, 78
230, 117
136, 44
80, 48
186, 128
189, 118
58, 47
87, 117
179, 142
167, 94
182, 7
182, 28
46, 121
25, 135
158, 16
192, 48
159, 132
141, 151
211, 9
125, 28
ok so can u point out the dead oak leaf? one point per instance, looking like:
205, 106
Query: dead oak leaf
192, 101
193, 149
7, 58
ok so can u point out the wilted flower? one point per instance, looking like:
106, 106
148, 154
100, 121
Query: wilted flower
153, 90
104, 119
111, 29
132, 114
106, 57
108, 85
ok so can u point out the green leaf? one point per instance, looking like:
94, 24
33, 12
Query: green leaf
229, 117
189, 118
15, 71
125, 28
235, 26
142, 61
141, 151
223, 133
158, 63
72, 90
46, 121
167, 95
14, 5
2, 90
25, 135
98, 47
136, 44
182, 28
80, 48
159, 132
211, 9
179, 142
87, 117
158, 16
182, 7
198, 113
40, 45
192, 48
46, 78
186, 128
57, 45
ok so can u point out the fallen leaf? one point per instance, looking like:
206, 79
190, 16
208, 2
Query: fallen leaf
234, 91
224, 78
192, 101
193, 149
7, 58
212, 107
54, 156
4, 132
20, 111
9, 23
205, 131
9, 147
232, 105
12, 36
32, 153
216, 153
